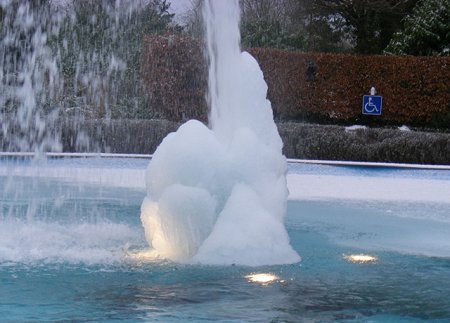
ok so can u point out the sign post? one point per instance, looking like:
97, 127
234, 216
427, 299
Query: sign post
372, 104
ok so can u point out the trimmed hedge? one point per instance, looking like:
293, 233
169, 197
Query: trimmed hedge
301, 140
175, 77
415, 90
305, 86
330, 142
124, 136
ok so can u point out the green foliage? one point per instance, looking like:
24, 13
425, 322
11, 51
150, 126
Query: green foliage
263, 33
363, 26
370, 24
155, 17
326, 35
100, 45
101, 28
426, 31
358, 26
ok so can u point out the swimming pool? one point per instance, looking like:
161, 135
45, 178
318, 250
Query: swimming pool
69, 226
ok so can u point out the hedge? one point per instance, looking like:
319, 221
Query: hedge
305, 86
175, 77
415, 90
301, 140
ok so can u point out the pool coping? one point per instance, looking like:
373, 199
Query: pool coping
290, 160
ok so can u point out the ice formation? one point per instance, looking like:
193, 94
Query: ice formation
218, 195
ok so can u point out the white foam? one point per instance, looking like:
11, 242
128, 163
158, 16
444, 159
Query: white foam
102, 242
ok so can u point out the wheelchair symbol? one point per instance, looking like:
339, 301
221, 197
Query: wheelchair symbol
372, 104
369, 107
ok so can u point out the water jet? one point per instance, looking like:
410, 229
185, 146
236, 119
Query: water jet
218, 195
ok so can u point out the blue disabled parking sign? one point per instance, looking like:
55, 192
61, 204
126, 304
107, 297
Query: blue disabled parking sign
372, 104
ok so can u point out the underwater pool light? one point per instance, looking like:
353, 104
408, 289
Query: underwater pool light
360, 258
262, 278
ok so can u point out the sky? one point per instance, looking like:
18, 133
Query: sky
180, 6
176, 6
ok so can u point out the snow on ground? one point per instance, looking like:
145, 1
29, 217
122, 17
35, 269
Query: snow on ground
322, 187
404, 128
354, 128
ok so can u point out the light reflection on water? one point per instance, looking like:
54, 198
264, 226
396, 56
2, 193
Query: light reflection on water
322, 288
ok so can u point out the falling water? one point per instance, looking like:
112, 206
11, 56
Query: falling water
218, 195
29, 75
62, 60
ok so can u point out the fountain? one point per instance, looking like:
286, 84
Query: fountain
374, 240
218, 195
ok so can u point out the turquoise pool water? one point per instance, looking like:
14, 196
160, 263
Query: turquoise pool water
64, 247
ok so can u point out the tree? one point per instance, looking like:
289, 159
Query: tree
100, 43
371, 23
192, 20
426, 31
287, 24
266, 33
265, 23
294, 24
323, 32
